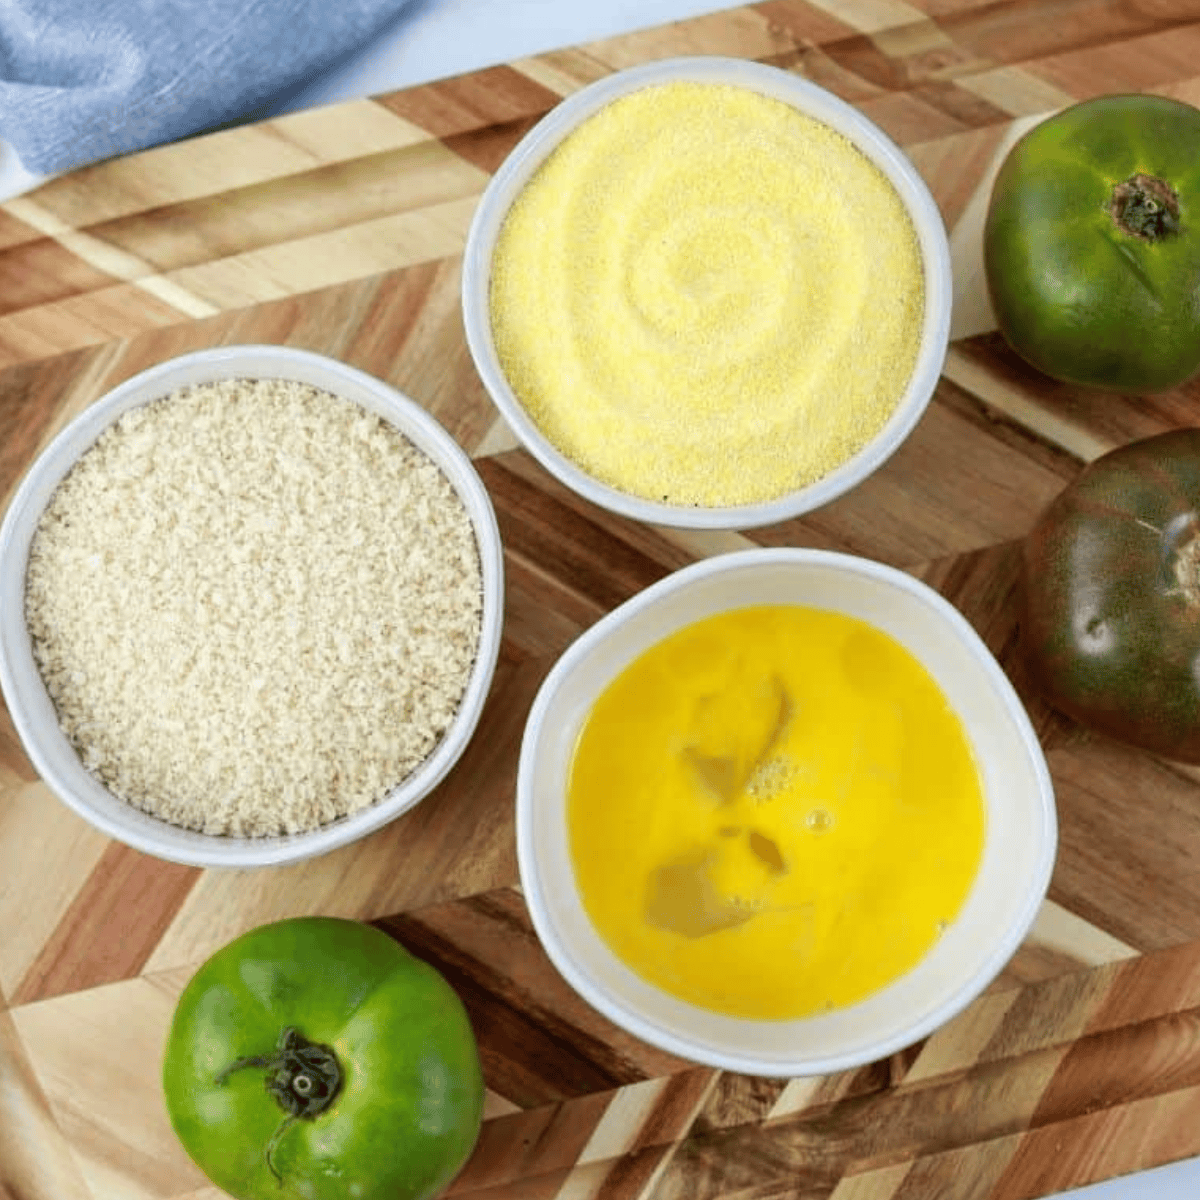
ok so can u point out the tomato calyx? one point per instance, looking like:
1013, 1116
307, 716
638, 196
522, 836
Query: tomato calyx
1145, 207
302, 1077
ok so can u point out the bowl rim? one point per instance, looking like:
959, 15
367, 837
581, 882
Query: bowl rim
809, 98
656, 1033
146, 832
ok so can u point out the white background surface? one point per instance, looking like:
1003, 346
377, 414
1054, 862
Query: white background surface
435, 39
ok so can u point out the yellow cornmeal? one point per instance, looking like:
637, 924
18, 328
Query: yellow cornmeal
774, 811
705, 297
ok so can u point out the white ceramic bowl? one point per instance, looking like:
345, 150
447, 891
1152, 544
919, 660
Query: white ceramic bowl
815, 102
1020, 834
26, 696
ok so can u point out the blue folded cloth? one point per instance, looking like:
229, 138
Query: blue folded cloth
84, 80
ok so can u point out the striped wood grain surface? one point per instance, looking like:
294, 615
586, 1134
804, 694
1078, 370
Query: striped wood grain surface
340, 230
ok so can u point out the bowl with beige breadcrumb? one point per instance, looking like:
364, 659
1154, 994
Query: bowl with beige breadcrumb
250, 607
705, 292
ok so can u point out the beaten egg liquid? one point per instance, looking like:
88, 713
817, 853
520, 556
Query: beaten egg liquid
774, 812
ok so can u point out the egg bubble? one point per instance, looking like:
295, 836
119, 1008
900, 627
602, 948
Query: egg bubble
819, 820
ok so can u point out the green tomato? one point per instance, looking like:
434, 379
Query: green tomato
1092, 244
317, 1058
1111, 584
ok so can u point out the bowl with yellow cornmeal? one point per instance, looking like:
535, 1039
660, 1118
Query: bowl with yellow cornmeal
705, 292
782, 813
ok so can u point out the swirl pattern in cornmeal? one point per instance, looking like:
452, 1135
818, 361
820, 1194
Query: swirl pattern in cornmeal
707, 297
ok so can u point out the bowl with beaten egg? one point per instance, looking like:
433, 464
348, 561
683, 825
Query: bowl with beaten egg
782, 813
706, 292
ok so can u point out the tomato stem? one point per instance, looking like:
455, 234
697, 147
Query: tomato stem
1145, 207
303, 1077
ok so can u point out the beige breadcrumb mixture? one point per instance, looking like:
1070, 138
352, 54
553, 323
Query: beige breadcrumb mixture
255, 606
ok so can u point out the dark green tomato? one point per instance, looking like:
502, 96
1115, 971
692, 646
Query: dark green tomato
317, 1058
1092, 244
1111, 573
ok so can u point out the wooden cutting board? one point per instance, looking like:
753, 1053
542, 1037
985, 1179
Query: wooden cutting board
340, 230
